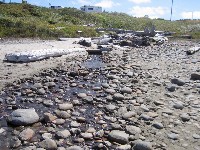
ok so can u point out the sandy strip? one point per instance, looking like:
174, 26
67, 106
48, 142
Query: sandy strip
14, 71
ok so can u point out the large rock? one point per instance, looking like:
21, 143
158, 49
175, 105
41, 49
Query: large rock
142, 145
195, 76
22, 117
179, 82
118, 136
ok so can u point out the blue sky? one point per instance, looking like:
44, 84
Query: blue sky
182, 9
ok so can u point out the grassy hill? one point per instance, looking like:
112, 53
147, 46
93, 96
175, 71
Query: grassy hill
24, 20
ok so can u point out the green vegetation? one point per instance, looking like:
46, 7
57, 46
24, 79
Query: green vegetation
24, 20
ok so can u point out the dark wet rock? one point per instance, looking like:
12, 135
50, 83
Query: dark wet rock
133, 130
171, 88
74, 148
118, 136
48, 144
142, 145
63, 134
158, 125
173, 136
26, 134
179, 82
118, 96
65, 106
21, 117
195, 76
185, 117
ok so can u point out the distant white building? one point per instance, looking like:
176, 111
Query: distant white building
56, 7
96, 9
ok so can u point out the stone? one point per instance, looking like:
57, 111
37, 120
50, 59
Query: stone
178, 105
123, 147
171, 88
110, 107
173, 136
63, 134
142, 145
41, 91
133, 130
178, 82
21, 117
118, 96
195, 76
158, 125
146, 117
81, 95
87, 136
46, 136
185, 117
126, 90
105, 85
63, 114
129, 114
196, 136
74, 148
65, 106
26, 134
75, 124
118, 136
48, 144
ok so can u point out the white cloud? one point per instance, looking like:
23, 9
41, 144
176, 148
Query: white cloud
107, 4
83, 2
190, 15
152, 12
140, 1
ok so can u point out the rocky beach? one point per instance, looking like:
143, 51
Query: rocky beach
140, 98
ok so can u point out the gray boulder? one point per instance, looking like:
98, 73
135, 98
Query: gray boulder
22, 117
118, 136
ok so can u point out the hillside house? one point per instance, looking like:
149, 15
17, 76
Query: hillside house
96, 9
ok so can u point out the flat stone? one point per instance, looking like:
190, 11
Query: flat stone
158, 125
195, 76
48, 144
126, 90
178, 105
74, 148
110, 107
118, 96
65, 106
63, 114
173, 136
179, 82
21, 117
26, 134
118, 136
133, 130
123, 147
146, 117
129, 114
46, 136
75, 124
63, 134
142, 145
196, 136
81, 95
87, 136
